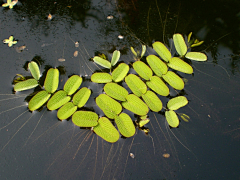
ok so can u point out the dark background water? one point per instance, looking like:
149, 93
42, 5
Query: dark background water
38, 146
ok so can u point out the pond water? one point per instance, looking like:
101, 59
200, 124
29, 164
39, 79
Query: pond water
38, 146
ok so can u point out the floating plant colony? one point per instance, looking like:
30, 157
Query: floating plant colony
143, 97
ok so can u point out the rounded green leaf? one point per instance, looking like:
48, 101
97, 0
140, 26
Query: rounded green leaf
115, 91
66, 111
197, 56
120, 72
143, 70
101, 78
34, 69
137, 86
172, 119
52, 80
157, 65
174, 80
152, 100
125, 125
162, 51
38, 100
180, 65
109, 106
106, 130
85, 119
180, 44
177, 102
102, 62
115, 57
81, 97
158, 86
72, 84
136, 105
25, 85
57, 100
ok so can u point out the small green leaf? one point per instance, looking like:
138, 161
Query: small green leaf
115, 91
162, 51
189, 36
109, 106
66, 111
52, 80
106, 130
197, 56
172, 119
125, 125
174, 80
184, 117
180, 44
153, 102
115, 57
143, 70
57, 100
134, 52
197, 44
38, 100
143, 122
136, 105
25, 85
81, 97
143, 50
101, 78
34, 69
102, 62
120, 72
72, 84
157, 85
85, 119
137, 86
177, 102
180, 65
158, 66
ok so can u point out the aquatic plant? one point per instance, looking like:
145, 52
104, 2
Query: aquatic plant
10, 41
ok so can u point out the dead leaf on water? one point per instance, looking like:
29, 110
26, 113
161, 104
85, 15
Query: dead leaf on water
61, 60
75, 54
166, 155
76, 44
20, 49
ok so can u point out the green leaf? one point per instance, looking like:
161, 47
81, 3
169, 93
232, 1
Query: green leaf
102, 62
143, 70
34, 69
81, 97
57, 100
180, 65
134, 52
106, 130
189, 36
197, 44
72, 84
180, 44
52, 80
66, 111
25, 85
101, 78
85, 119
184, 117
137, 86
177, 102
115, 57
38, 100
115, 91
143, 50
125, 125
172, 119
120, 72
174, 80
162, 51
109, 106
158, 66
143, 122
197, 56
158, 86
136, 105
153, 102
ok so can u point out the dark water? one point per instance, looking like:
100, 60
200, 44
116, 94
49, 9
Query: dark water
38, 146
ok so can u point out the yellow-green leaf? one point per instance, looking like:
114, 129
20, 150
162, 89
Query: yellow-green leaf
125, 125
143, 122
189, 36
115, 91
81, 97
120, 72
143, 50
177, 102
106, 130
25, 85
101, 78
134, 52
57, 100
38, 100
143, 70
34, 69
137, 86
115, 57
102, 62
85, 119
172, 119
180, 65
157, 65
162, 51
197, 44
52, 80
180, 44
174, 80
66, 111
153, 102
197, 56
158, 86
72, 84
